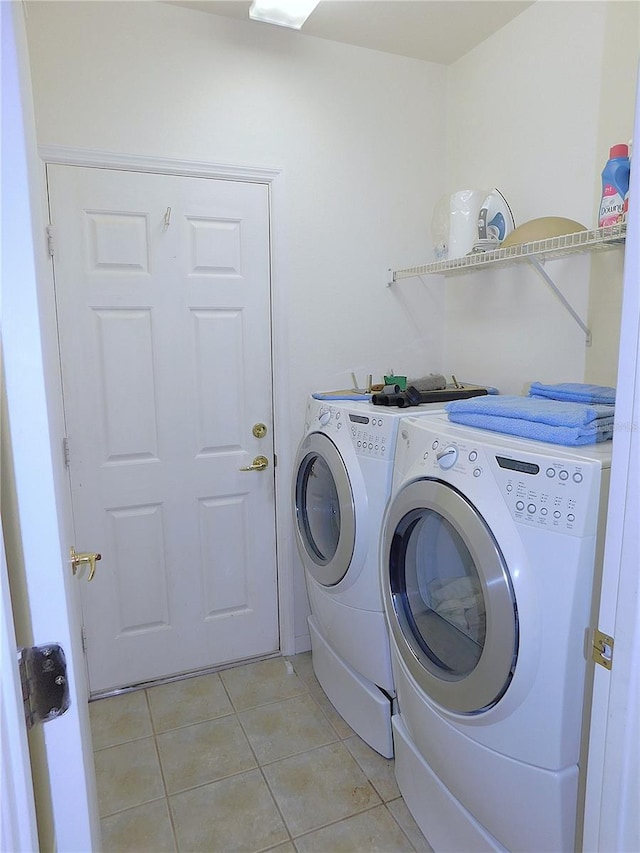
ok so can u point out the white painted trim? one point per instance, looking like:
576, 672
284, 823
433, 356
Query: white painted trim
18, 829
97, 159
50, 590
283, 446
274, 178
613, 782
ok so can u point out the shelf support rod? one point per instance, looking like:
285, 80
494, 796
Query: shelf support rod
547, 278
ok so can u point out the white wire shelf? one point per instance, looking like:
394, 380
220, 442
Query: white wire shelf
597, 239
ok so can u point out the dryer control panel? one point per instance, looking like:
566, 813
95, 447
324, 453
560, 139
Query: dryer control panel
541, 491
543, 486
556, 494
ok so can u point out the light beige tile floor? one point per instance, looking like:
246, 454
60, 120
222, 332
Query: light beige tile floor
253, 758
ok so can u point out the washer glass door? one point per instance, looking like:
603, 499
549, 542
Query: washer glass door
449, 597
324, 508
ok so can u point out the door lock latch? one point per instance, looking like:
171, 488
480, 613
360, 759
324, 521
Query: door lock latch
602, 649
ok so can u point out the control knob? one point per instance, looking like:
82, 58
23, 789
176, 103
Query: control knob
324, 417
447, 457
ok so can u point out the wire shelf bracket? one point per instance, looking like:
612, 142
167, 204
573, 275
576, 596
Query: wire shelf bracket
547, 278
534, 253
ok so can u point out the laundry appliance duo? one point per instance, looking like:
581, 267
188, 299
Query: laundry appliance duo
489, 550
341, 484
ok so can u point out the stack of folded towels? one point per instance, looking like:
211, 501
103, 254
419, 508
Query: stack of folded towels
569, 413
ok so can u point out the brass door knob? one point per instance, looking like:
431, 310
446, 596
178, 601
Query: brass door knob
258, 464
87, 559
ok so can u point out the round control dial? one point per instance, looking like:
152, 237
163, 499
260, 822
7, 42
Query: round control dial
447, 457
324, 417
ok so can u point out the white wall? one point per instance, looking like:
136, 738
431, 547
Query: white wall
367, 144
533, 111
356, 133
618, 93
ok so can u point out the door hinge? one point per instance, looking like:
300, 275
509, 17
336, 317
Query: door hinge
83, 639
275, 460
50, 240
65, 451
602, 649
45, 691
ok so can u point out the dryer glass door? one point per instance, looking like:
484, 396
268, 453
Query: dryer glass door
449, 598
325, 515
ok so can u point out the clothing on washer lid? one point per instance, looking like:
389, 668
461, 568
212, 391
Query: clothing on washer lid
576, 392
432, 382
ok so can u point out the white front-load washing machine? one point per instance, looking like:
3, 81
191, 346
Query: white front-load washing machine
341, 484
489, 550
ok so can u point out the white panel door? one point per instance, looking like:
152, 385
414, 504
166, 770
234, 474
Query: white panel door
163, 297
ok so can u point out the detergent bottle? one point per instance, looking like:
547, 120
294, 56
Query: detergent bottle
615, 186
625, 208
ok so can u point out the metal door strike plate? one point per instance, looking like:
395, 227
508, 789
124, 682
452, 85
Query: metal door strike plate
602, 649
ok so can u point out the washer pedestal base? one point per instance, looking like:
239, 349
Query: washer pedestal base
363, 705
447, 826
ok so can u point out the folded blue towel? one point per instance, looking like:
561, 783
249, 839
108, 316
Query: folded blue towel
552, 412
600, 430
542, 420
577, 392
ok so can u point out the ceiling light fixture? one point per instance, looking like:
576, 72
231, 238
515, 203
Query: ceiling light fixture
284, 13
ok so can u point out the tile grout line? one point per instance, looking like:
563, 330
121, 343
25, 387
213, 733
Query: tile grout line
319, 706
305, 691
162, 776
397, 823
356, 814
369, 779
259, 766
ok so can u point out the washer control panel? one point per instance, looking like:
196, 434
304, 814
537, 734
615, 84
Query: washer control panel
371, 435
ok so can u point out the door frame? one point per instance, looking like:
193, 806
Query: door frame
273, 177
66, 799
18, 829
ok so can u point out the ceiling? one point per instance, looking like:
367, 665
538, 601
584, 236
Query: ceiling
433, 30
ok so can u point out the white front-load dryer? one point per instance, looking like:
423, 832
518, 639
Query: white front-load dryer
341, 484
488, 556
